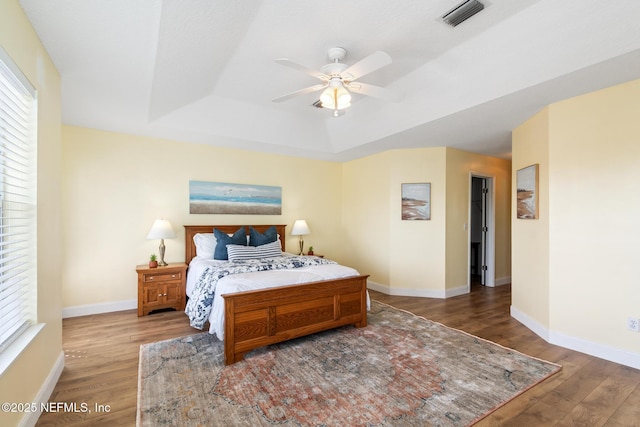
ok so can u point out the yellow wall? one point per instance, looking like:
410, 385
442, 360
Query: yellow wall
365, 216
24, 378
402, 257
574, 269
530, 237
460, 166
417, 257
595, 211
425, 258
115, 185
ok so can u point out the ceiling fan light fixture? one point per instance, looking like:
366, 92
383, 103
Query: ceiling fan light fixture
336, 96
338, 80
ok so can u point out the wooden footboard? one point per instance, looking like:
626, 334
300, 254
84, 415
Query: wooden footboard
257, 318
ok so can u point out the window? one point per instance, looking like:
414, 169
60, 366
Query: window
18, 115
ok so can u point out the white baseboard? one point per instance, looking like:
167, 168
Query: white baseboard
105, 307
503, 281
454, 292
602, 351
498, 282
530, 323
426, 293
31, 418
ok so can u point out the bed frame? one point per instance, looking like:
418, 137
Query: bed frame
258, 318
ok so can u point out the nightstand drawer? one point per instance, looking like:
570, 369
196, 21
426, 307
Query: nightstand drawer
162, 277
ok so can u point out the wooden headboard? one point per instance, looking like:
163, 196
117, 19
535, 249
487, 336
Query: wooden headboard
192, 230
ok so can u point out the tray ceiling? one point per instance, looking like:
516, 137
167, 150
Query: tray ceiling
203, 71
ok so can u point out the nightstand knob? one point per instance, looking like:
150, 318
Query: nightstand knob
151, 278
174, 275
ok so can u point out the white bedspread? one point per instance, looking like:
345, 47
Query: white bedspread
258, 280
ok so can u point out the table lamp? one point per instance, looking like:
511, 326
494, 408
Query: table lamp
161, 229
300, 228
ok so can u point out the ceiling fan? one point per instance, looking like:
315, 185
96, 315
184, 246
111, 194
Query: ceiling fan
339, 80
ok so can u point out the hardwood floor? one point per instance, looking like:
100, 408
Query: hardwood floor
101, 365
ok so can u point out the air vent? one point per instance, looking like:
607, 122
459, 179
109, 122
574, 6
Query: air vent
462, 12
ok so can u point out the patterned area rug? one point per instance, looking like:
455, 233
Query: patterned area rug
401, 370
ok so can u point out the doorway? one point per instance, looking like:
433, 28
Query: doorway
481, 231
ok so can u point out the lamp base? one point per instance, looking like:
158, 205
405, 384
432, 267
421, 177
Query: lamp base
161, 262
301, 246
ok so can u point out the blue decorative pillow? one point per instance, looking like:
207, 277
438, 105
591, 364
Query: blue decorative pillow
223, 239
257, 238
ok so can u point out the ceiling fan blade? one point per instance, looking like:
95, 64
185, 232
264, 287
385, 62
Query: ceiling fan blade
313, 73
306, 90
374, 91
366, 65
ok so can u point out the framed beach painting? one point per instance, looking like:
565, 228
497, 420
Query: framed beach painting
416, 201
238, 199
527, 192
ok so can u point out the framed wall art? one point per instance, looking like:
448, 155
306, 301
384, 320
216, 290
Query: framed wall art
416, 201
527, 192
239, 199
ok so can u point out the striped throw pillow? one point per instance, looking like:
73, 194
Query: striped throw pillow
241, 253
270, 250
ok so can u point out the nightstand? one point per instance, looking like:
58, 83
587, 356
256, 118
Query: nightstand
161, 287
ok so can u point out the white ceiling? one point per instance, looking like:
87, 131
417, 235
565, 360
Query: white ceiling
203, 71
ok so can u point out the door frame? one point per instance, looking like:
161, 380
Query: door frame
490, 251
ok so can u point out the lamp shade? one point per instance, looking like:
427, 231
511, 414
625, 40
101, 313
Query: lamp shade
300, 228
161, 229
336, 96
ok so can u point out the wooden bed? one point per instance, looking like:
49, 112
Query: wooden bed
257, 318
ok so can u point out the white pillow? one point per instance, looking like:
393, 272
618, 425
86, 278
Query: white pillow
205, 244
239, 252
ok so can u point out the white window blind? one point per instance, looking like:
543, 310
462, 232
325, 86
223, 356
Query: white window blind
18, 117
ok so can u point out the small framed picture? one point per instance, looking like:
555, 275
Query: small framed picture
527, 192
416, 201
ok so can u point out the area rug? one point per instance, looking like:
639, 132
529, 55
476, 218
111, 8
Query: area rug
401, 370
